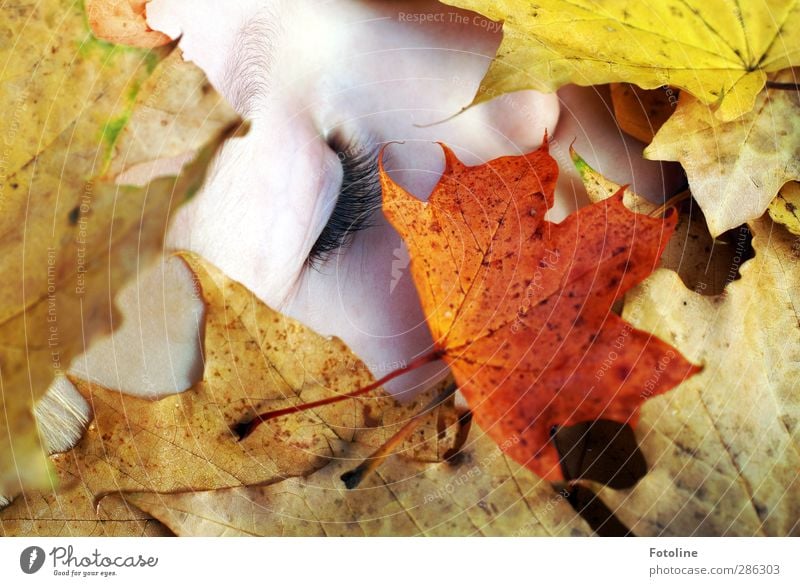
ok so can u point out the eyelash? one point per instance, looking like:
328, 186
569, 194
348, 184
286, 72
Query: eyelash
359, 197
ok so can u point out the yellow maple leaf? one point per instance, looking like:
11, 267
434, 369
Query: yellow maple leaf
717, 50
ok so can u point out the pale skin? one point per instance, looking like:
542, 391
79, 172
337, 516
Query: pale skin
358, 71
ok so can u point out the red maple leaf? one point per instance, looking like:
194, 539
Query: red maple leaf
520, 307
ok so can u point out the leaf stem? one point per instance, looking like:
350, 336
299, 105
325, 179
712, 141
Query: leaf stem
781, 85
675, 199
354, 477
245, 428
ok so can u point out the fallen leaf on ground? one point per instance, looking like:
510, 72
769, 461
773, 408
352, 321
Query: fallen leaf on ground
640, 113
74, 514
255, 359
482, 492
53, 70
520, 308
69, 239
724, 447
735, 168
717, 50
785, 208
40, 339
123, 22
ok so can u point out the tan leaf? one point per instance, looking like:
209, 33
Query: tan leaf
175, 112
70, 272
68, 241
735, 168
724, 447
58, 77
255, 360
482, 492
123, 22
74, 514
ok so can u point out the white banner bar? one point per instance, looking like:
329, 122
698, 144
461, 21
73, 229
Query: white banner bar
400, 561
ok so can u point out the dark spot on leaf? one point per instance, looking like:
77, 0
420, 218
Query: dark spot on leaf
73, 216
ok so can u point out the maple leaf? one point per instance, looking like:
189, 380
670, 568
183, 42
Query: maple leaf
735, 168
705, 264
82, 294
123, 22
69, 236
719, 51
723, 446
254, 358
519, 307
482, 492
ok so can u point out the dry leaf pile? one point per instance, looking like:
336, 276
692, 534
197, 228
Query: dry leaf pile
679, 321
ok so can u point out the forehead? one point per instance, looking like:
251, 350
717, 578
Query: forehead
247, 70
277, 45
230, 41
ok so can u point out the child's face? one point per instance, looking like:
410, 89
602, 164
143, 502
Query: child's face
324, 84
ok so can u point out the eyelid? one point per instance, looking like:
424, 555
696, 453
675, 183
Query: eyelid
359, 197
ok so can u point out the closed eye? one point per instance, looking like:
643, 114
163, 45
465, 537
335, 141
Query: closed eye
359, 197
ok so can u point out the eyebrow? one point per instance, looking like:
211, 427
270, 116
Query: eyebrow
249, 64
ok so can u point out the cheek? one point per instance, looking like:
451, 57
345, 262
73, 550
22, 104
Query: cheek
367, 297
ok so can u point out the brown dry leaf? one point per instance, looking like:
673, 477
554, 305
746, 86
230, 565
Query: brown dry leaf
68, 240
123, 22
75, 299
735, 168
66, 269
724, 447
640, 113
481, 492
785, 208
74, 514
255, 360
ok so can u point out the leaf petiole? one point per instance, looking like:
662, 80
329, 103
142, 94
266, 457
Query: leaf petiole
782, 85
245, 428
353, 478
